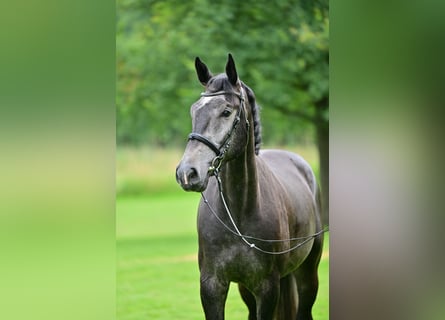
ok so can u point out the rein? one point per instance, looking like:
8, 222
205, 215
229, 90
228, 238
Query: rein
245, 237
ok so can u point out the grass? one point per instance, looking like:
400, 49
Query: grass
157, 270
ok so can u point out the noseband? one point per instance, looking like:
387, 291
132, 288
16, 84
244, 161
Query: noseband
222, 149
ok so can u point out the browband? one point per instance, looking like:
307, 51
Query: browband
219, 93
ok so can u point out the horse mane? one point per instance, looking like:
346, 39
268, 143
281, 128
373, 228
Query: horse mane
255, 109
222, 83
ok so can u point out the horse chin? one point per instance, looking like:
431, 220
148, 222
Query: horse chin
196, 187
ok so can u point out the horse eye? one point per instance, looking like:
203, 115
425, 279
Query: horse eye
226, 113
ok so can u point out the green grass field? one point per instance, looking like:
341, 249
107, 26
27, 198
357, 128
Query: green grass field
157, 269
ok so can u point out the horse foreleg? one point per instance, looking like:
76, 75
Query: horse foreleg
267, 295
307, 281
213, 297
288, 303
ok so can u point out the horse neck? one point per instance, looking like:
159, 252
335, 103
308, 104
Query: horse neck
240, 181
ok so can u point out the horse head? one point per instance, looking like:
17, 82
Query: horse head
220, 126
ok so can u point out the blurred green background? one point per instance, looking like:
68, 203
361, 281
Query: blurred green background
58, 129
57, 163
281, 50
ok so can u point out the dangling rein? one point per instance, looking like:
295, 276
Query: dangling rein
244, 237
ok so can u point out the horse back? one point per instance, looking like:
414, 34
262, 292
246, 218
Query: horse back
290, 169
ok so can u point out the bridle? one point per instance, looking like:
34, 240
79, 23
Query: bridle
222, 149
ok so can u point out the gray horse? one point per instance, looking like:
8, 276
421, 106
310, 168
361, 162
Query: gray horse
259, 217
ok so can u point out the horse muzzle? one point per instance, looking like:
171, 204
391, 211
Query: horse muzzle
189, 179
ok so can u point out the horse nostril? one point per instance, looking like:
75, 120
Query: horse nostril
192, 174
187, 175
190, 178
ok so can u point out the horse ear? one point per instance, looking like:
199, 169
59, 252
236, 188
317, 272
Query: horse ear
203, 72
231, 71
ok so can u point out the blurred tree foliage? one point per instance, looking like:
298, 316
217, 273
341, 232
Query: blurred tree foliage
281, 49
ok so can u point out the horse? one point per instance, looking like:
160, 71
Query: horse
259, 221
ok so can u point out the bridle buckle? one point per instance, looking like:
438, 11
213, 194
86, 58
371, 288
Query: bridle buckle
216, 164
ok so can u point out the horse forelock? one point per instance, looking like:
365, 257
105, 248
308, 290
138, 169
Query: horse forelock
219, 82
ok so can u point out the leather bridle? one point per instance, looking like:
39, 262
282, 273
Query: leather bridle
224, 146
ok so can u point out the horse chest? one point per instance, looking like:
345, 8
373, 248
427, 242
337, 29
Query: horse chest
234, 262
226, 255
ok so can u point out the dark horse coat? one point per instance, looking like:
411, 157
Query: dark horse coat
262, 195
